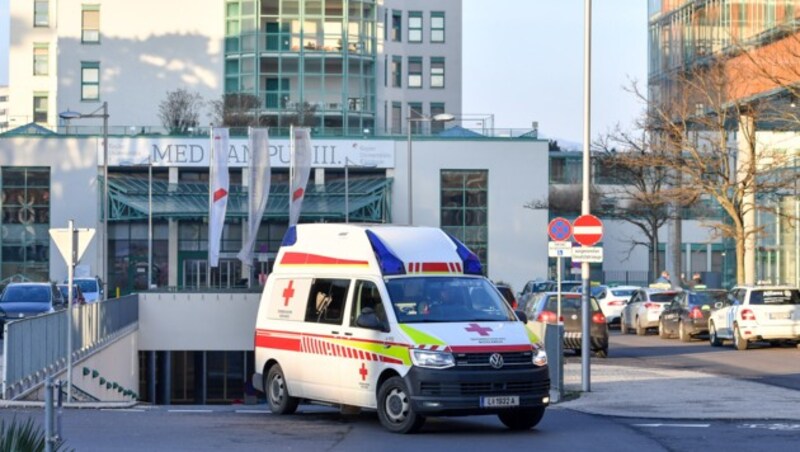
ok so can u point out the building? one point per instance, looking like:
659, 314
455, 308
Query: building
3, 108
754, 44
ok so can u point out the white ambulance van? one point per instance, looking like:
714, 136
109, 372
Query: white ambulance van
397, 319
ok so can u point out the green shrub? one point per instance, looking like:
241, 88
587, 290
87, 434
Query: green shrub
23, 437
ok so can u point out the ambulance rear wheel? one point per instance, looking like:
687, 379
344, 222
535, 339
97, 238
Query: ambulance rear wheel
278, 398
394, 407
522, 419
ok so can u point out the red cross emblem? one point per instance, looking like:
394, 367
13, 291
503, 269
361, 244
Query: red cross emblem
288, 293
475, 328
363, 371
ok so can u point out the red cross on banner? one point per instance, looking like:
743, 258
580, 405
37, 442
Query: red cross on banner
363, 371
288, 293
475, 328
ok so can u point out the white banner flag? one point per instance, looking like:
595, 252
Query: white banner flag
218, 187
260, 180
300, 170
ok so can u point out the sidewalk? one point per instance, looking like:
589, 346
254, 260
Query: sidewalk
676, 394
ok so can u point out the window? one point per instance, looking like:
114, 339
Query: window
415, 112
386, 70
437, 108
90, 23
367, 297
437, 72
41, 13
397, 118
41, 59
414, 26
90, 80
25, 250
326, 301
40, 107
464, 208
414, 72
397, 72
437, 26
397, 26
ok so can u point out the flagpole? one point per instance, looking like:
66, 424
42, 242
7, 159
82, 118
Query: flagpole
210, 204
291, 169
250, 203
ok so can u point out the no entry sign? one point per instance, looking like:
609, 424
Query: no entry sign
587, 230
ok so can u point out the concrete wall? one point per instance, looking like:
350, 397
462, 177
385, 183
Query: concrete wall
117, 363
197, 321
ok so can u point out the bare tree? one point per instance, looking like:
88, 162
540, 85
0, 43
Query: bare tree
302, 116
180, 110
236, 110
565, 200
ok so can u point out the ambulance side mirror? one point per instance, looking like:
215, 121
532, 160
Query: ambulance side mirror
521, 316
371, 321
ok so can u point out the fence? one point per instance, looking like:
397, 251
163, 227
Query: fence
36, 347
624, 277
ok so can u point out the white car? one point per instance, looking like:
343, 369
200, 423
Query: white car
92, 288
613, 299
644, 309
768, 313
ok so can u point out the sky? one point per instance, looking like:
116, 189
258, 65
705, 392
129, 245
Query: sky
523, 62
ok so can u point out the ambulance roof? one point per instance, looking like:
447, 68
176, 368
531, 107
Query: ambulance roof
379, 249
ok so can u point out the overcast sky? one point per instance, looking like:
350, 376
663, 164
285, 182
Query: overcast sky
523, 62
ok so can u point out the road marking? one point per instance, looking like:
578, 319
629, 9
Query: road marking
124, 410
673, 425
254, 411
190, 411
783, 427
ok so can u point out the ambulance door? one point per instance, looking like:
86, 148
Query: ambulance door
323, 331
367, 349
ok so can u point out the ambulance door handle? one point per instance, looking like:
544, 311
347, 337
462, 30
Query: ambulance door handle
335, 333
348, 334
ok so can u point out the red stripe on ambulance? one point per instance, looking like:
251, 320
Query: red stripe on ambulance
316, 259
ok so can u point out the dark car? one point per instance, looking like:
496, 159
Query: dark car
21, 300
77, 293
687, 315
545, 309
508, 294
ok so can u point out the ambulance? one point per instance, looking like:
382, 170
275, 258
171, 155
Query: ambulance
396, 319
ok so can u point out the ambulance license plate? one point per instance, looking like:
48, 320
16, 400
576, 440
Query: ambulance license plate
779, 315
499, 401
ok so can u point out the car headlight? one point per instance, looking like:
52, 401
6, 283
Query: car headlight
432, 359
539, 356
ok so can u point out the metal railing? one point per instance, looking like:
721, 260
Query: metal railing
36, 347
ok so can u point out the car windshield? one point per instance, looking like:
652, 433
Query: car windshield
446, 299
773, 297
568, 303
707, 298
662, 297
622, 292
64, 289
87, 285
26, 294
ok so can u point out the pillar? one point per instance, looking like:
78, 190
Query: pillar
745, 164
172, 243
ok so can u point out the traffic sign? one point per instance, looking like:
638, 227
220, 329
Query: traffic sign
588, 230
559, 229
64, 239
559, 249
591, 254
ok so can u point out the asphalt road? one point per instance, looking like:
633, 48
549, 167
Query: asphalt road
779, 366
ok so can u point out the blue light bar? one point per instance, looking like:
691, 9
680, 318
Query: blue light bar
472, 265
290, 238
389, 263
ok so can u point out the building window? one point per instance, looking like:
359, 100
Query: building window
464, 208
397, 72
25, 220
41, 59
437, 26
397, 26
90, 80
414, 72
397, 118
437, 72
41, 13
414, 26
40, 107
386, 70
437, 108
90, 23
415, 113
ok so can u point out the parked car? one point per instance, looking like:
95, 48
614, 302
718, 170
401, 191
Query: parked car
91, 287
508, 294
612, 300
530, 290
766, 313
544, 311
20, 300
688, 313
644, 309
566, 286
77, 294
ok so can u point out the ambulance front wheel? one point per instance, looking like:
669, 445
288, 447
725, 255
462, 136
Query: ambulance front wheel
394, 407
522, 419
278, 398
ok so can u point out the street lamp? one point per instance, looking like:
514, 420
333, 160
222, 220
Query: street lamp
441, 117
101, 112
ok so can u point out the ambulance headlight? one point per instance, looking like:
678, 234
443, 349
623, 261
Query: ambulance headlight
432, 359
539, 356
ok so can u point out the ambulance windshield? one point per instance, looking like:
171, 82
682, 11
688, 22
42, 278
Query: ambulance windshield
446, 299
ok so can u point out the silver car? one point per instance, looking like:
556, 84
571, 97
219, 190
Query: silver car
644, 309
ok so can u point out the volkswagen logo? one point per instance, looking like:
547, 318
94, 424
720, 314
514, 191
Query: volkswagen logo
496, 360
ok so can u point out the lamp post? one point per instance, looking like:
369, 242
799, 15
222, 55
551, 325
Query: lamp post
101, 112
441, 117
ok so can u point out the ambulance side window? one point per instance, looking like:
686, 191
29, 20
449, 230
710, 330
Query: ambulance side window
326, 301
367, 296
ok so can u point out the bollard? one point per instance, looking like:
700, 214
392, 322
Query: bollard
60, 411
48, 414
553, 341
